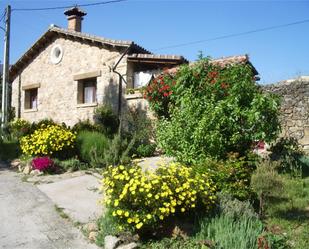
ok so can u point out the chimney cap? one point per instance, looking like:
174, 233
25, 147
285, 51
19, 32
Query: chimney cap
75, 11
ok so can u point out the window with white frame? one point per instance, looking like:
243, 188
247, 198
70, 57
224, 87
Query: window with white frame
87, 91
31, 98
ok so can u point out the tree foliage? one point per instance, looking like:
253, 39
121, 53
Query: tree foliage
216, 110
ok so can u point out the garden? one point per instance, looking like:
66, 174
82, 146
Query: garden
218, 192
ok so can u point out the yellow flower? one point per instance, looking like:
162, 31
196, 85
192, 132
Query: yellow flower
116, 203
148, 216
126, 214
139, 225
119, 212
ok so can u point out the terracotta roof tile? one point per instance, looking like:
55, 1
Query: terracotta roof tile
223, 62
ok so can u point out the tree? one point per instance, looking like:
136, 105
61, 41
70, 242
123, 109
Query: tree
215, 110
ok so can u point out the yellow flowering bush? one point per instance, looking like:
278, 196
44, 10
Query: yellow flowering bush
48, 140
141, 199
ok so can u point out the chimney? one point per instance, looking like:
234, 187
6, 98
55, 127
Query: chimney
75, 17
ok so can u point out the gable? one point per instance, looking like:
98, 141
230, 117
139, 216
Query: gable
54, 33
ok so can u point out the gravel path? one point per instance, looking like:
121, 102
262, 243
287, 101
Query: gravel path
29, 219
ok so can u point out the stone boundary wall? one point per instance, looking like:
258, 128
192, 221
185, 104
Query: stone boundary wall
294, 108
137, 102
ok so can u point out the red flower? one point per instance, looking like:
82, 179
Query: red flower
212, 74
165, 94
224, 85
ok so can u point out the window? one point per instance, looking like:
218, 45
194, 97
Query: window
31, 98
87, 91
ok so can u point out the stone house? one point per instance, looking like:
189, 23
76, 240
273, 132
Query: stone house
67, 73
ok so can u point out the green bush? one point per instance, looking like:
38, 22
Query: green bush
117, 152
140, 129
213, 115
226, 232
146, 150
288, 153
235, 208
104, 117
91, 144
86, 125
266, 182
159, 94
19, 128
71, 164
232, 176
140, 200
9, 149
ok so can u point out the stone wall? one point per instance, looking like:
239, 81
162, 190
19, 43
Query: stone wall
294, 108
58, 91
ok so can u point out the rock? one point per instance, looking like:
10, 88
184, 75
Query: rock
132, 245
36, 172
91, 227
92, 236
111, 242
27, 169
20, 168
15, 163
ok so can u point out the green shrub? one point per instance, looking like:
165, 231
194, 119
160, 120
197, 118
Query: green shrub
19, 128
140, 129
159, 94
229, 233
288, 153
91, 144
146, 150
213, 115
117, 152
266, 182
140, 200
235, 208
50, 140
9, 149
174, 243
86, 125
106, 119
71, 164
232, 176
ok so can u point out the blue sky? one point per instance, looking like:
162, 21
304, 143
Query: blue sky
277, 54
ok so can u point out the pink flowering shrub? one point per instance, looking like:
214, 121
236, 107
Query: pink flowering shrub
42, 163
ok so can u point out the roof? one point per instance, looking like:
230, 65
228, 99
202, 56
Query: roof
223, 62
157, 58
232, 60
54, 31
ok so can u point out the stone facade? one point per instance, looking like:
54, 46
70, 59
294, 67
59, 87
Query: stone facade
294, 108
57, 84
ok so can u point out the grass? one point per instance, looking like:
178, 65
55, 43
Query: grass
289, 214
107, 226
219, 232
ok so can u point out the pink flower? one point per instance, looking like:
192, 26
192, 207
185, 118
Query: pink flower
42, 163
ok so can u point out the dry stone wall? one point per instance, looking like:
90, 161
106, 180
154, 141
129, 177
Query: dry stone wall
294, 108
